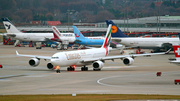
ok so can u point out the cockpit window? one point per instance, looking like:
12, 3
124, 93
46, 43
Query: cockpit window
55, 57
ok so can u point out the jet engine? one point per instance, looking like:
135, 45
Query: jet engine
98, 65
50, 65
34, 62
128, 61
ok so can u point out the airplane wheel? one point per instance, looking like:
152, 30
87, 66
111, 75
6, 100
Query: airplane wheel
58, 71
84, 68
70, 69
96, 69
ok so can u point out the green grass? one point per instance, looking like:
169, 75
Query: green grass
86, 97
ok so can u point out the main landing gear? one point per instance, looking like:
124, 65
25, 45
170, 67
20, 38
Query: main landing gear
58, 71
84, 68
70, 68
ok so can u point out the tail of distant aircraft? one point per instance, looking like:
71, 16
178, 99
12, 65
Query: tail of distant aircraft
10, 28
77, 33
116, 32
56, 32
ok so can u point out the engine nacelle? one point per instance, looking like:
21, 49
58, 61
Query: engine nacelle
34, 62
50, 66
98, 65
128, 61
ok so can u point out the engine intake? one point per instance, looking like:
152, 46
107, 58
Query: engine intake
98, 65
128, 61
34, 62
50, 66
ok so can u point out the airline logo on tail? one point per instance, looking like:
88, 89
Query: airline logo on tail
176, 50
56, 33
78, 35
114, 29
9, 26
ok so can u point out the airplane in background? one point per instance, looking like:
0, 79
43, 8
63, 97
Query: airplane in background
147, 43
13, 32
94, 56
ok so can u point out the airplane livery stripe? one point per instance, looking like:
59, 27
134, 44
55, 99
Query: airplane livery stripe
107, 38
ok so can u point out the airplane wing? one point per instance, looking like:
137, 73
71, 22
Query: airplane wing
34, 56
123, 56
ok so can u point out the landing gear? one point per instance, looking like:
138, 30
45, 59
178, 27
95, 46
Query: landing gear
58, 71
84, 68
97, 69
70, 68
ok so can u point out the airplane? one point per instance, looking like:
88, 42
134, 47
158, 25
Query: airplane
176, 49
95, 57
145, 43
13, 32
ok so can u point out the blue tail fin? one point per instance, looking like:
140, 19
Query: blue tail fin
77, 33
116, 32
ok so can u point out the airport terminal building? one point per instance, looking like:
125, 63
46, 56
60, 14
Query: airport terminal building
156, 25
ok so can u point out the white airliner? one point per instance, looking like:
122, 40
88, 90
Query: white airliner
62, 37
147, 43
13, 32
78, 58
176, 49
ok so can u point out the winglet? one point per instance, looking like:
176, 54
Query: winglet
17, 53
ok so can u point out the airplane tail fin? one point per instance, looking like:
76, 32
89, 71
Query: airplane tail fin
77, 33
176, 49
116, 32
10, 28
107, 39
56, 32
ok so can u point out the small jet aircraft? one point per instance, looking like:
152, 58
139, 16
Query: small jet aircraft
78, 58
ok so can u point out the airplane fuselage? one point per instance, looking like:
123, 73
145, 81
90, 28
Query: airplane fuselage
146, 42
75, 58
30, 36
91, 42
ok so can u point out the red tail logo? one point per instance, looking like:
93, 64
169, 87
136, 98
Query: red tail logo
176, 50
78, 35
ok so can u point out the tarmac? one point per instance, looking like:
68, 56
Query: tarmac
18, 77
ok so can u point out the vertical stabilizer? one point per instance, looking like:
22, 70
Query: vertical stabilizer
78, 34
107, 39
176, 49
116, 32
56, 33
10, 28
